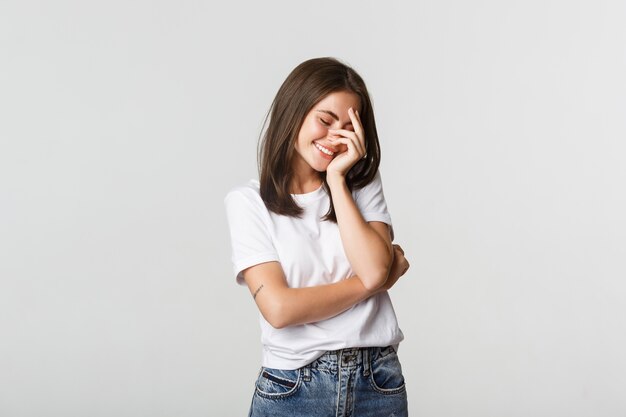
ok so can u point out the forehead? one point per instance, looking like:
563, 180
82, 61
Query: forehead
339, 102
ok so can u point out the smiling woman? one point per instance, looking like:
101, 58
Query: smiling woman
315, 131
312, 241
318, 84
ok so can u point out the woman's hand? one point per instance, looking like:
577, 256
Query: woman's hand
398, 268
354, 145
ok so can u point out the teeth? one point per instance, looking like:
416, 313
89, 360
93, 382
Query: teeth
323, 149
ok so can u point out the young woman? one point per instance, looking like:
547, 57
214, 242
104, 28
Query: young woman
312, 241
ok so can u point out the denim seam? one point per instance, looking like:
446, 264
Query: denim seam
285, 394
385, 391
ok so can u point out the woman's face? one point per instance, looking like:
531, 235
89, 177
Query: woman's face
313, 147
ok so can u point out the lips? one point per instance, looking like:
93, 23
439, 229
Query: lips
326, 150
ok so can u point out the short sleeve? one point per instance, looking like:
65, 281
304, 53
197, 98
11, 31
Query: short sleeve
251, 242
371, 203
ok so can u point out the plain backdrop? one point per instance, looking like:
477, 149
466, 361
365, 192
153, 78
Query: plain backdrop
124, 123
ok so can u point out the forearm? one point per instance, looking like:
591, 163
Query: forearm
369, 254
282, 306
293, 306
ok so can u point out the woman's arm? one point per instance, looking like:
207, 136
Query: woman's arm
282, 306
367, 245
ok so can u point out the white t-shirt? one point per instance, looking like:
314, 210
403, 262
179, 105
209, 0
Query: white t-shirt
311, 253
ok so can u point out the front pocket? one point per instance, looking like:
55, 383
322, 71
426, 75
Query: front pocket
386, 374
280, 381
277, 383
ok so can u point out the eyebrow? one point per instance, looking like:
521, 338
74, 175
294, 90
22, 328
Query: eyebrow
334, 116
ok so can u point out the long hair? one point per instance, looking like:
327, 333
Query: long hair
305, 86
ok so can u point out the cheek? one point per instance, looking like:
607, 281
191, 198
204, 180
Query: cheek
317, 131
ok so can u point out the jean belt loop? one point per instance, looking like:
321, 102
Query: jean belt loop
366, 362
306, 373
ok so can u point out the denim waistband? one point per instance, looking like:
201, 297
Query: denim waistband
349, 357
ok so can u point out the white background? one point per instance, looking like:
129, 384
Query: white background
124, 123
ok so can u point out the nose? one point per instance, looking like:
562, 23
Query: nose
332, 136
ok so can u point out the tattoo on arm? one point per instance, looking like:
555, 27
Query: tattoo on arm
257, 291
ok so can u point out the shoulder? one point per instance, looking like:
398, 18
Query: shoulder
249, 191
374, 186
245, 200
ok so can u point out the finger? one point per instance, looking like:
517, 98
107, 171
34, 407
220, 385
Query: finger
358, 128
344, 132
357, 136
399, 251
351, 135
351, 143
356, 122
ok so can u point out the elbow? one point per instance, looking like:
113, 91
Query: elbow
374, 270
379, 273
377, 276
278, 325
276, 315
376, 279
277, 322
382, 273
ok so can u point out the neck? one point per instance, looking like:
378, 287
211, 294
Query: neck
305, 179
305, 185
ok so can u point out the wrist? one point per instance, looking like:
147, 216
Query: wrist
334, 179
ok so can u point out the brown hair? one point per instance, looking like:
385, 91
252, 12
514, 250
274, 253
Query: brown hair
306, 85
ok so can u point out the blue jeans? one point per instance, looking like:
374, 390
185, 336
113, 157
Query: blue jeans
355, 382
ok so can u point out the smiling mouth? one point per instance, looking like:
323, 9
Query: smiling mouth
324, 149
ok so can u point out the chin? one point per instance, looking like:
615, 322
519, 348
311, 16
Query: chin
320, 166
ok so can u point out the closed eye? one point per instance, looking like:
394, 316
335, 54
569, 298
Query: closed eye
324, 122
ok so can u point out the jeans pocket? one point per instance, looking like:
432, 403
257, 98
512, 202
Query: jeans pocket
277, 383
386, 374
